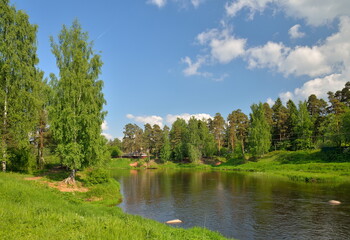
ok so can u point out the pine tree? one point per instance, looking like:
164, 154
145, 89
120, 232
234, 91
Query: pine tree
77, 109
218, 125
18, 81
279, 129
238, 129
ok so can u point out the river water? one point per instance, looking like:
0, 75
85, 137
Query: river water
238, 205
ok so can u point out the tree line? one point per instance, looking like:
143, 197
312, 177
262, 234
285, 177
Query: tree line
61, 115
310, 124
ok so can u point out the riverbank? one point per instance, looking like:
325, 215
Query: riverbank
32, 209
304, 166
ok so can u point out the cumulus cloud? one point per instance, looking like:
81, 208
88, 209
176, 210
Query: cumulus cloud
294, 32
329, 57
317, 86
224, 46
186, 116
298, 61
147, 119
325, 12
310, 61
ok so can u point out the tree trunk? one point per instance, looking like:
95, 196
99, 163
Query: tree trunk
41, 160
71, 179
242, 145
4, 132
3, 163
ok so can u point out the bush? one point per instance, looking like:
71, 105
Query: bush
115, 151
97, 176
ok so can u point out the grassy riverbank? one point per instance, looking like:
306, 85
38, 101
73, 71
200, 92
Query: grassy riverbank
34, 210
305, 166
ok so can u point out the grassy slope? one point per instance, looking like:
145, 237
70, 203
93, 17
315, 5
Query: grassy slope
30, 210
309, 166
298, 166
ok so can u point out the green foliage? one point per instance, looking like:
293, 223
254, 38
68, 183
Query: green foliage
193, 154
76, 113
165, 151
19, 84
115, 151
133, 138
259, 132
97, 176
303, 127
346, 126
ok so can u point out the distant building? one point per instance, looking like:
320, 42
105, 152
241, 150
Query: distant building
135, 155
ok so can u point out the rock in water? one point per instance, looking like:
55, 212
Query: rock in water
334, 202
173, 221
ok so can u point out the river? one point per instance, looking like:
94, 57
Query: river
238, 205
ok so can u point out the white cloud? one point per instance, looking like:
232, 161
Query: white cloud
295, 33
285, 96
147, 119
317, 86
224, 46
253, 5
107, 135
186, 116
104, 125
315, 12
329, 57
270, 102
158, 3
268, 56
192, 67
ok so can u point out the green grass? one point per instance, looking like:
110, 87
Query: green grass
307, 166
30, 210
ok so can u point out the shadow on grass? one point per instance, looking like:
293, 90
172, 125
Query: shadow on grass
56, 172
325, 155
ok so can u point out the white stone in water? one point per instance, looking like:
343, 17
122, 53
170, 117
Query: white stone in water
334, 202
174, 221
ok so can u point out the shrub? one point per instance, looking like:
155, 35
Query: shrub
97, 176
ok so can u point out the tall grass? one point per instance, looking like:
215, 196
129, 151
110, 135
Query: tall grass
29, 210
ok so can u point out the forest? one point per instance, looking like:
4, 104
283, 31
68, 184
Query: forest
311, 124
59, 119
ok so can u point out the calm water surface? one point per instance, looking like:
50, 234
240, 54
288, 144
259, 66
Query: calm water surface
242, 206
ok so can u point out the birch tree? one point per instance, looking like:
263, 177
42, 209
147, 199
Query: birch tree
77, 109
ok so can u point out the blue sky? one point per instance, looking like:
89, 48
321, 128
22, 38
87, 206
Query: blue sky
176, 58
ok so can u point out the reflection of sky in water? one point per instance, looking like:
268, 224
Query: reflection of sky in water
238, 205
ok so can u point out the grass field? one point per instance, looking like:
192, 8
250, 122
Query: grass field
32, 210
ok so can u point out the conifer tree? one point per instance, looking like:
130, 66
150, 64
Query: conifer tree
77, 109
